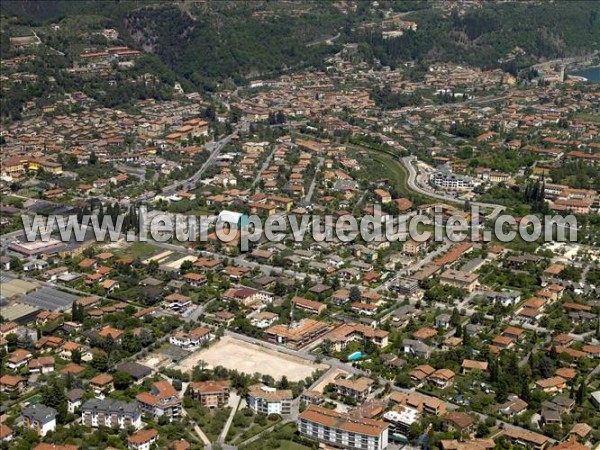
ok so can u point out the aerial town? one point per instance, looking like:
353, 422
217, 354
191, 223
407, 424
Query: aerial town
295, 344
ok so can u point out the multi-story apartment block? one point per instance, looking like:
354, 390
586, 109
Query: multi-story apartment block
111, 413
267, 400
448, 180
342, 430
162, 400
211, 394
39, 418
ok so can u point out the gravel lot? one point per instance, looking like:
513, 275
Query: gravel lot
249, 358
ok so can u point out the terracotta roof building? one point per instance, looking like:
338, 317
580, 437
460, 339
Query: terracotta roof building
211, 394
342, 430
142, 440
162, 400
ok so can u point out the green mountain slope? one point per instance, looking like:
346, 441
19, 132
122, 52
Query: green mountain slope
483, 36
207, 43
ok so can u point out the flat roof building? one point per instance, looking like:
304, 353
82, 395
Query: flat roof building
400, 419
38, 247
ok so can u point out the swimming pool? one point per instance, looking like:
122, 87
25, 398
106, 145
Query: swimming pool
354, 356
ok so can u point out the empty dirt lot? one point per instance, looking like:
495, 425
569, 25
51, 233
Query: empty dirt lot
250, 358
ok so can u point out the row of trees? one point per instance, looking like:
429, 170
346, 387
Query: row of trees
535, 195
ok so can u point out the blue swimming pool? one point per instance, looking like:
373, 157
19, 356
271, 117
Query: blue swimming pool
354, 356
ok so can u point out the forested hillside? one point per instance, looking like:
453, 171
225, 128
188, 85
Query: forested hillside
214, 43
208, 43
483, 36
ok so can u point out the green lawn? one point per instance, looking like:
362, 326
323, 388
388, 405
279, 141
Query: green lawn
200, 211
246, 426
282, 438
382, 165
289, 445
141, 250
588, 116
13, 201
211, 421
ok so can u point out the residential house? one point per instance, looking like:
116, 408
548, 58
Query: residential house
211, 393
264, 319
142, 440
421, 373
247, 296
18, 358
349, 332
421, 402
526, 438
102, 385
191, 339
505, 298
442, 378
12, 384
468, 365
162, 400
417, 348
311, 306
195, 279
550, 385
460, 279
425, 333
6, 433
39, 418
41, 365
74, 399
513, 406
459, 421
443, 321
357, 389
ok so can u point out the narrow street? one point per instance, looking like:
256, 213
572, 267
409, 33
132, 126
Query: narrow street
234, 400
263, 168
311, 189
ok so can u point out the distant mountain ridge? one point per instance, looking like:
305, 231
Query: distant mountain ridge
210, 43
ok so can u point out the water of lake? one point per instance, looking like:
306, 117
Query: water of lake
592, 74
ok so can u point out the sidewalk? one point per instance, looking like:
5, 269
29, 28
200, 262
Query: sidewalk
235, 400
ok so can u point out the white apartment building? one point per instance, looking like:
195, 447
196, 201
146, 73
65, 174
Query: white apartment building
39, 418
111, 413
191, 339
400, 419
447, 180
342, 430
267, 400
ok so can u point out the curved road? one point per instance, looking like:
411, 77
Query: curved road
412, 184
